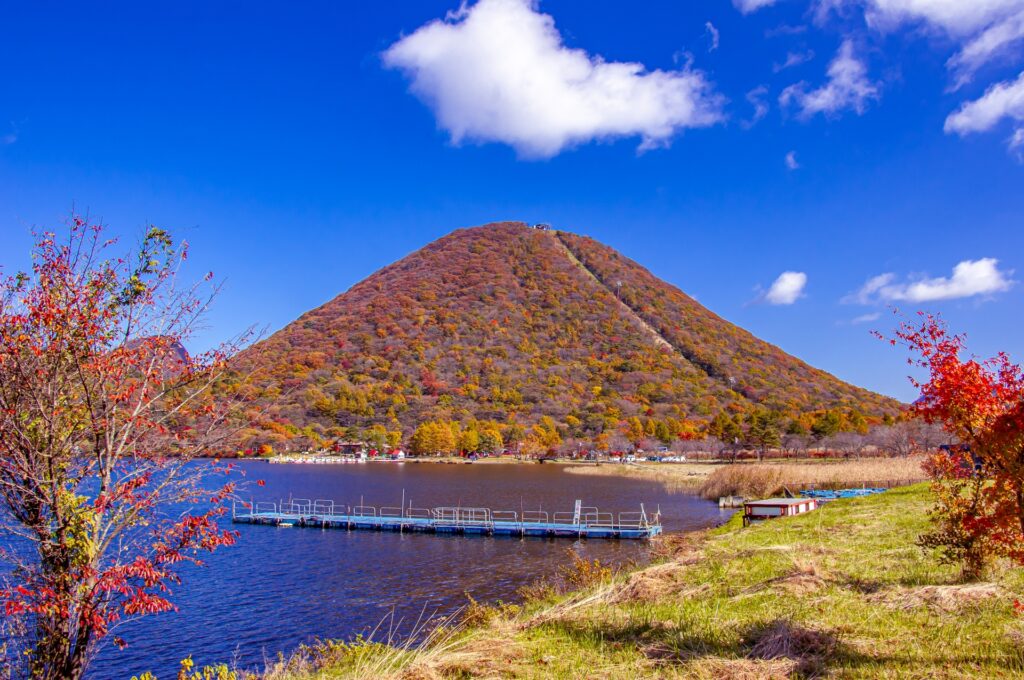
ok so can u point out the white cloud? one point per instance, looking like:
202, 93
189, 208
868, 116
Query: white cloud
848, 87
987, 29
748, 6
988, 45
791, 161
793, 59
713, 34
756, 99
956, 17
983, 32
1002, 100
866, 318
499, 71
786, 289
970, 278
870, 290
1016, 143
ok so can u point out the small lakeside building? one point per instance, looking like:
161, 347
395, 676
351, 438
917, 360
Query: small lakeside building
769, 508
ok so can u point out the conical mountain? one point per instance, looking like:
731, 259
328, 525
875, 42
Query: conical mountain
505, 322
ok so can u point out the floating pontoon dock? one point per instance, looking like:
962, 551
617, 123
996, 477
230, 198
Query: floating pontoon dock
582, 522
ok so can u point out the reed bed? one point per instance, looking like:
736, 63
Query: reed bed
675, 476
758, 480
748, 479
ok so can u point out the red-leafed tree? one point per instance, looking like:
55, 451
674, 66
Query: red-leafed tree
979, 485
101, 410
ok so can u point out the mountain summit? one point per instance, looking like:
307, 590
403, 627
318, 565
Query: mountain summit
505, 322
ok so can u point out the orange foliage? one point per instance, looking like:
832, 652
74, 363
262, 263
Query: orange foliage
980, 488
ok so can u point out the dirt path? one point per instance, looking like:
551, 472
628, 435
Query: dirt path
657, 337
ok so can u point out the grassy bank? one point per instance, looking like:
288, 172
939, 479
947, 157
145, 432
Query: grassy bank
842, 591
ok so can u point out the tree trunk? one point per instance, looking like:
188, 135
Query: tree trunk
60, 651
54, 657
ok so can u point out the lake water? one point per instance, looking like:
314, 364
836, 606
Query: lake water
280, 587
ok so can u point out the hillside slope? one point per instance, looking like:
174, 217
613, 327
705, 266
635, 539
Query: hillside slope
504, 322
760, 371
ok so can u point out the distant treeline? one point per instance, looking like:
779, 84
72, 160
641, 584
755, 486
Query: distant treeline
759, 432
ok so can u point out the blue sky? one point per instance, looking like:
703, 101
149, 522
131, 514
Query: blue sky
300, 146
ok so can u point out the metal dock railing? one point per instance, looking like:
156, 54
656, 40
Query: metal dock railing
582, 522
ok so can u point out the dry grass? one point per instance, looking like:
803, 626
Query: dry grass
380, 655
748, 481
807, 648
741, 669
649, 585
675, 476
758, 480
946, 598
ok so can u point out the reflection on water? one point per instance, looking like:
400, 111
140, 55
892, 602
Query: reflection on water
280, 587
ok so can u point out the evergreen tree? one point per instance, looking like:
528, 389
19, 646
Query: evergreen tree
797, 427
764, 430
826, 424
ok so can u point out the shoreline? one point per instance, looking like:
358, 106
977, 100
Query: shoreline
309, 459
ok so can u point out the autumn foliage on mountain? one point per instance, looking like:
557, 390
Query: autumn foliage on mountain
503, 324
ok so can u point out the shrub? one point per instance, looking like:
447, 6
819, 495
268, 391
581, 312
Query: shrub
582, 573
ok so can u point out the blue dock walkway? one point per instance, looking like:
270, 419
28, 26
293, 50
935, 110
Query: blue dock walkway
582, 522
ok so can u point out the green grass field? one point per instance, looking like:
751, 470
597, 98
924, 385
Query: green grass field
839, 592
